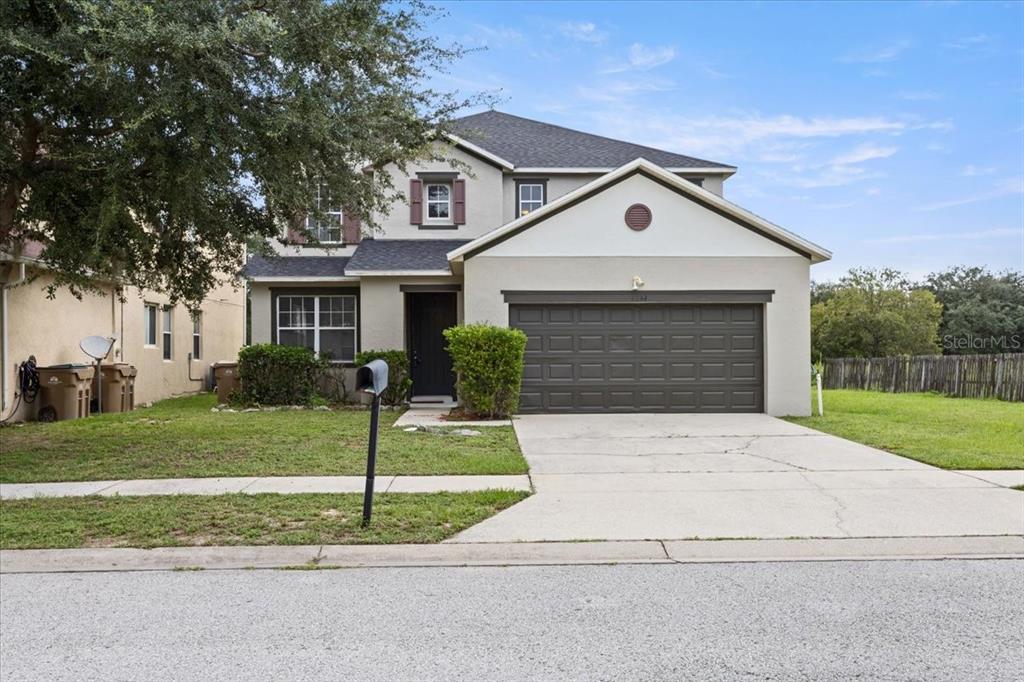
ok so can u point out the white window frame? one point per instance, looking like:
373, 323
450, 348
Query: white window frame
449, 219
167, 333
150, 320
316, 322
332, 216
520, 201
197, 336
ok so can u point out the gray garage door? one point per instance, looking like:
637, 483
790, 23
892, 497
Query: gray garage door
642, 358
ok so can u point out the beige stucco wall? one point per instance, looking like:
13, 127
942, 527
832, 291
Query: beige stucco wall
382, 308
52, 329
589, 248
483, 200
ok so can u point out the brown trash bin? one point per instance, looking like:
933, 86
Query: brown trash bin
66, 391
225, 377
118, 387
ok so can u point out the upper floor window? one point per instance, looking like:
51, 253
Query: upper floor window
531, 197
328, 228
439, 202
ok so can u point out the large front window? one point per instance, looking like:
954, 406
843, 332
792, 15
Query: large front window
324, 324
327, 228
439, 202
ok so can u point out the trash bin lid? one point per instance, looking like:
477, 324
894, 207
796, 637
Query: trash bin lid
69, 365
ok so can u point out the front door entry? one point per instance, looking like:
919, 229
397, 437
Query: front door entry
429, 315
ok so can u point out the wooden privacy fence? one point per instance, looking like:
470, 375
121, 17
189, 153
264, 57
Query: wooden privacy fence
964, 376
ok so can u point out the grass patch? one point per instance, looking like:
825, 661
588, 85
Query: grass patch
181, 437
952, 433
194, 520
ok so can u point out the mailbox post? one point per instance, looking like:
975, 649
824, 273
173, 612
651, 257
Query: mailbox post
372, 378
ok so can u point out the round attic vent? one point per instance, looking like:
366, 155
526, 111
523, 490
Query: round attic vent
638, 217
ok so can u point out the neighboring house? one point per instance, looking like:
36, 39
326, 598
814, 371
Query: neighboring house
171, 350
639, 286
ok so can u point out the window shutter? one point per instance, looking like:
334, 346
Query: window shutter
350, 228
295, 234
459, 197
416, 201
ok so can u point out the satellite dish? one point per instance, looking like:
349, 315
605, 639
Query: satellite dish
96, 347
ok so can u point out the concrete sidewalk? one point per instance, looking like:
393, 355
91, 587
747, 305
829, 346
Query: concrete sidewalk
509, 554
270, 484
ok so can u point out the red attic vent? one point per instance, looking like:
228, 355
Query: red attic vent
638, 217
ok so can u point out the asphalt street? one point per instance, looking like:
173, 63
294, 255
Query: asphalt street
936, 620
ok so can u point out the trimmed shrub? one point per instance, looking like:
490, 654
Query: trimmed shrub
488, 362
279, 375
399, 378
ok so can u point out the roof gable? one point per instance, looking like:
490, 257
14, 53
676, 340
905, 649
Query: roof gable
703, 198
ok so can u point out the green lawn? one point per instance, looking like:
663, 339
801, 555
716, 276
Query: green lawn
181, 437
952, 433
189, 520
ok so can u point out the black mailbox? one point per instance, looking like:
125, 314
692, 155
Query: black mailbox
372, 377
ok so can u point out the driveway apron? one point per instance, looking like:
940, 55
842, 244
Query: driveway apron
712, 476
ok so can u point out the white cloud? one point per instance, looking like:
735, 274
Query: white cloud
876, 54
644, 58
968, 42
972, 171
624, 90
873, 191
584, 32
865, 152
1008, 187
493, 36
935, 237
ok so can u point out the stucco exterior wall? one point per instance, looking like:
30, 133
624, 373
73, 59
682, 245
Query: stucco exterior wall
787, 317
483, 201
382, 309
52, 329
588, 247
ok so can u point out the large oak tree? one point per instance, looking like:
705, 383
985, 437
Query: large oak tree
147, 141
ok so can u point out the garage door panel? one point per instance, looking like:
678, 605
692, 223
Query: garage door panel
628, 357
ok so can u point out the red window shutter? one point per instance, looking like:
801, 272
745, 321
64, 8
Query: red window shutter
295, 234
351, 228
459, 200
416, 201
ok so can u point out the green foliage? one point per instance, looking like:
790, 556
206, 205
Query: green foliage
279, 375
488, 361
874, 313
982, 312
145, 142
399, 378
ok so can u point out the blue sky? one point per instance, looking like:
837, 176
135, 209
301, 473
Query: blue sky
892, 134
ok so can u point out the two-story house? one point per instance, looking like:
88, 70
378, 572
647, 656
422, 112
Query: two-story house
639, 286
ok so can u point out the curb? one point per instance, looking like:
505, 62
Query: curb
510, 554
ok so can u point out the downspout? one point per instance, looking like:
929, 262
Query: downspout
5, 313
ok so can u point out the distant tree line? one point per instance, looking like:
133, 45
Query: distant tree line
874, 313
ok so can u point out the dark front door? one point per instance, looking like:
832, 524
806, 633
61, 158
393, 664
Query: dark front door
429, 315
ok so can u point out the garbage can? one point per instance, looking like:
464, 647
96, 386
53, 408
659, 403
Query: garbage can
225, 378
66, 391
118, 387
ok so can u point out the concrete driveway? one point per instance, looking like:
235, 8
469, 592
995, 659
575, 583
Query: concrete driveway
648, 476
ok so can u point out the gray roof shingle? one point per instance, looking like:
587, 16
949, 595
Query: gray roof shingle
533, 144
404, 255
295, 266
